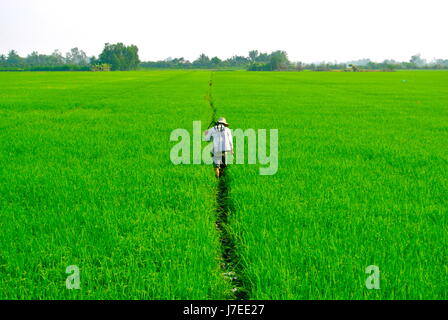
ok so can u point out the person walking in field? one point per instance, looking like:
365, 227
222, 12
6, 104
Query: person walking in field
222, 139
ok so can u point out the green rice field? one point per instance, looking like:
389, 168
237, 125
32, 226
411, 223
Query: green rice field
86, 179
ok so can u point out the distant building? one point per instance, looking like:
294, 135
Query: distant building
101, 67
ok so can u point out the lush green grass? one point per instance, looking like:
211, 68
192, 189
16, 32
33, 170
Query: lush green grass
362, 180
86, 180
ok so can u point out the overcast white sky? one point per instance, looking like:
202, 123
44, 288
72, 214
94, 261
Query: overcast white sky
310, 31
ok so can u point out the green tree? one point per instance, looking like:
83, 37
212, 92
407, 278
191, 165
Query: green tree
202, 61
34, 59
57, 58
417, 61
120, 57
253, 55
215, 61
2, 60
238, 61
76, 56
263, 57
279, 60
14, 60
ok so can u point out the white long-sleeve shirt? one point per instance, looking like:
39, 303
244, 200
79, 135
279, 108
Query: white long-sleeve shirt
222, 138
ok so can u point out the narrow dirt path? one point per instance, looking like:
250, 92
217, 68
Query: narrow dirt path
232, 268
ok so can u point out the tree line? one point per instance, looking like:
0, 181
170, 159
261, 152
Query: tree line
113, 57
278, 60
121, 57
74, 59
415, 62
